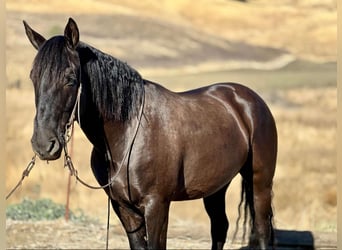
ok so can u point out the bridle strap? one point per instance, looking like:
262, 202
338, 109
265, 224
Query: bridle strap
69, 126
69, 131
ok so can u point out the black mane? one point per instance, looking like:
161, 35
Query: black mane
117, 88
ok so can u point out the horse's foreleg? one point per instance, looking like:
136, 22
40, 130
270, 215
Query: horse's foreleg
156, 218
132, 220
134, 225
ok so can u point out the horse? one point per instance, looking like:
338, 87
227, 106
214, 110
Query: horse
153, 146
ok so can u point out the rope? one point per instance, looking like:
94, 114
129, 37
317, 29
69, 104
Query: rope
69, 132
73, 172
25, 173
108, 218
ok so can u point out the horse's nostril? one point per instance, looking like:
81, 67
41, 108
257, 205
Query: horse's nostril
53, 147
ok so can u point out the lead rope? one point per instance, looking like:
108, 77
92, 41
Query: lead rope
69, 132
73, 172
108, 218
68, 162
25, 173
67, 159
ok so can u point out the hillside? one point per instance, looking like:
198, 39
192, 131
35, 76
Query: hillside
178, 36
306, 28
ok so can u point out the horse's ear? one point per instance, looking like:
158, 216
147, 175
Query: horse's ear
36, 39
71, 33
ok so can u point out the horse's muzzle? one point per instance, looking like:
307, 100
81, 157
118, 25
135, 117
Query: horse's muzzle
47, 149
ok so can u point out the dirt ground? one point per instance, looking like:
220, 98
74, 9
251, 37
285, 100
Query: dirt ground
301, 95
68, 235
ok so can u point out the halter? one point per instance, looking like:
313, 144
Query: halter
69, 127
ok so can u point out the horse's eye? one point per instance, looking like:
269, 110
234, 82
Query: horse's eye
69, 84
70, 81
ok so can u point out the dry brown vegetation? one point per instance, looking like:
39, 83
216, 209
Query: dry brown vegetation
302, 96
307, 28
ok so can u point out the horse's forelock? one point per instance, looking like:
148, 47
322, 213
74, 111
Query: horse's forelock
51, 60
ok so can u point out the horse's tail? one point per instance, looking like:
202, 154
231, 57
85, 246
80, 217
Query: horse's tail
246, 198
247, 202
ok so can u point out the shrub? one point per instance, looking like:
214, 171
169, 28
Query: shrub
42, 209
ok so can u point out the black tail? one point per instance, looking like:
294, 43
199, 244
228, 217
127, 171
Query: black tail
246, 197
248, 203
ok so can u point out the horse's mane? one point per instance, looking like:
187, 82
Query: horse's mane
116, 87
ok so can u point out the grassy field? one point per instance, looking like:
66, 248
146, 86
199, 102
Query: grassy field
294, 75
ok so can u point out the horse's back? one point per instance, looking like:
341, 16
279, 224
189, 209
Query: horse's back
228, 104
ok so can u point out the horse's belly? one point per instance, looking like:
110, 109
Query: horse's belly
210, 166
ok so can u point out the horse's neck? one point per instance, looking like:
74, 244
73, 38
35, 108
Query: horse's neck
106, 135
89, 120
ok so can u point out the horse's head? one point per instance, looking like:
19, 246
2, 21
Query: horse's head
56, 77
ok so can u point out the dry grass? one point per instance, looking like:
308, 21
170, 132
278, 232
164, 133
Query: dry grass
306, 162
305, 28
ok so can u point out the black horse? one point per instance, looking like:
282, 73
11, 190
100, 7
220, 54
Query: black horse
154, 146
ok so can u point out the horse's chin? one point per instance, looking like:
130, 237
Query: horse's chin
48, 157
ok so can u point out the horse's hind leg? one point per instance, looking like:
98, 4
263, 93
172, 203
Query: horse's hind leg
215, 207
263, 161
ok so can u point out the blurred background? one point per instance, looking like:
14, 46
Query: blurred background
283, 49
